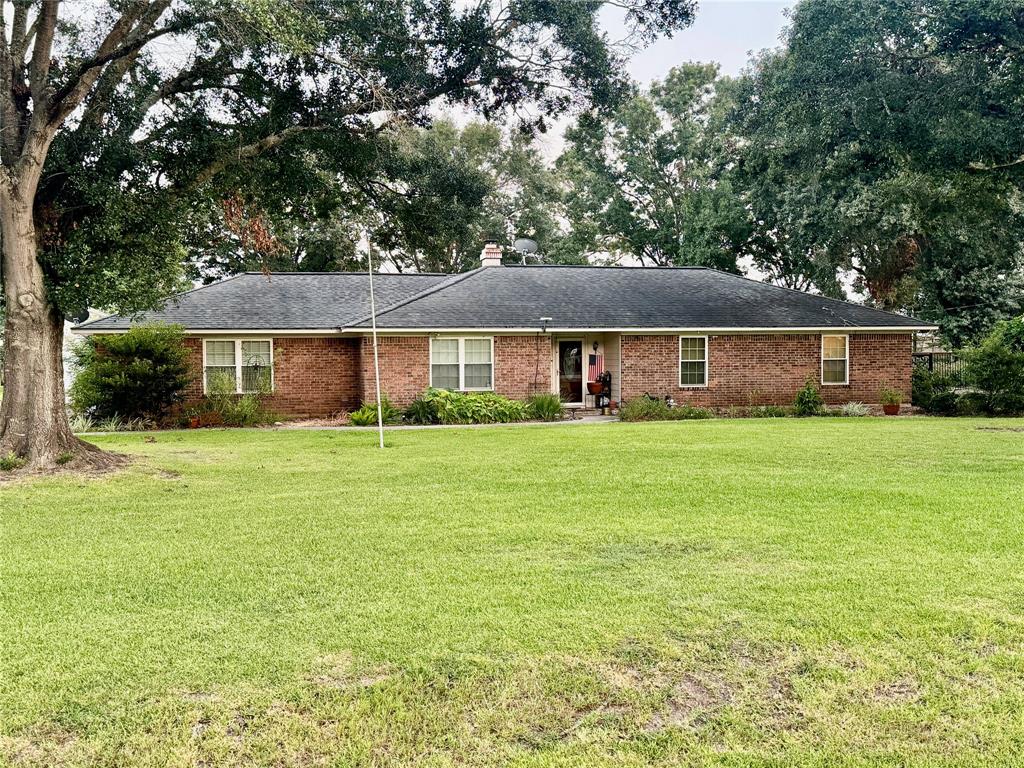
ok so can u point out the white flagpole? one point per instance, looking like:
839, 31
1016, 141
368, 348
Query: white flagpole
376, 362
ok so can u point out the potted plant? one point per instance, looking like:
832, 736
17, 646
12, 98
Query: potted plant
192, 417
890, 399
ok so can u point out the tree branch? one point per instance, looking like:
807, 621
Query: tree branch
124, 39
249, 151
982, 168
39, 69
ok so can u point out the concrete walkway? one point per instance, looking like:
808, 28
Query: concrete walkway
404, 427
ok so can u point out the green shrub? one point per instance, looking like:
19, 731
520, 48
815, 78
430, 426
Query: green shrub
11, 462
932, 392
141, 373
995, 368
366, 414
808, 400
970, 404
767, 412
650, 409
473, 407
232, 409
854, 409
421, 411
644, 409
545, 407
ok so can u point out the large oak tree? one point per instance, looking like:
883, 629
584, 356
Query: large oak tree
119, 119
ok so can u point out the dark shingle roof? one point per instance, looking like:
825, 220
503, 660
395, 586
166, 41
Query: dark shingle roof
626, 297
282, 300
509, 297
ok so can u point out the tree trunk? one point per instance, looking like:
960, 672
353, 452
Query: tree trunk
33, 417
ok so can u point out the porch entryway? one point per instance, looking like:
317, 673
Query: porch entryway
576, 361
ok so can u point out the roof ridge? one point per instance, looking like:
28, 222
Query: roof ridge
842, 302
454, 279
345, 272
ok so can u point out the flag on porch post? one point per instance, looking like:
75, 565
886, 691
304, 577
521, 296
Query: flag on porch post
595, 368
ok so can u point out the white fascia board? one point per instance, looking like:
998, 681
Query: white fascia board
696, 329
534, 330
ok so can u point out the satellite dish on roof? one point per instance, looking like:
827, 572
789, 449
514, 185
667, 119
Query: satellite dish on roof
78, 316
525, 245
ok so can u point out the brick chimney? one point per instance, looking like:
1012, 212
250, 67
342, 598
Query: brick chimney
490, 256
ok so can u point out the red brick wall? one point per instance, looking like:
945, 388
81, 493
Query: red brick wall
322, 376
765, 369
314, 376
522, 365
404, 367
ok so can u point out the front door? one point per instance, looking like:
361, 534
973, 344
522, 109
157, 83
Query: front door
570, 370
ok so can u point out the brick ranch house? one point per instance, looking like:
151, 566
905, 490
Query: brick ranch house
698, 335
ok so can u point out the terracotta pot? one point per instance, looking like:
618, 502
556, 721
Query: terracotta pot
595, 387
891, 409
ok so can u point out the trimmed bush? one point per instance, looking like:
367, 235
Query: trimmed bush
808, 400
545, 407
138, 374
650, 409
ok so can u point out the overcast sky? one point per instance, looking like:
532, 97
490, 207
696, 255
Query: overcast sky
726, 31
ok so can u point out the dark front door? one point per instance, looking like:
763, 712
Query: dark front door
570, 370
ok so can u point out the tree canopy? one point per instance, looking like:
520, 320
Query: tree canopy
646, 180
883, 139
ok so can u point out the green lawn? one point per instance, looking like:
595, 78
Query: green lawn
737, 592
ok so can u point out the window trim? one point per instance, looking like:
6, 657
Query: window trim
846, 359
679, 364
462, 361
238, 362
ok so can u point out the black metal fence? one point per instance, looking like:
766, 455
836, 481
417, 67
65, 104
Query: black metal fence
943, 363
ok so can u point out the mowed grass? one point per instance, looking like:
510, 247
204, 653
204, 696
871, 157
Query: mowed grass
735, 592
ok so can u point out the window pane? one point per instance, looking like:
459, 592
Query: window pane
691, 348
691, 373
256, 353
834, 347
478, 350
833, 372
445, 352
256, 378
445, 376
220, 353
478, 376
220, 378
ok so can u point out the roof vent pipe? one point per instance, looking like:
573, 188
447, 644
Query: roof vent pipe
490, 256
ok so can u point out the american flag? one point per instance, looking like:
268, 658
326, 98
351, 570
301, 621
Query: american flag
596, 367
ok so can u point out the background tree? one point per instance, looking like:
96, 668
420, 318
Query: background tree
105, 146
427, 197
645, 182
883, 140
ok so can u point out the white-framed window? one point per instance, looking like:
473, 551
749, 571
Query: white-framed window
247, 363
464, 363
835, 359
693, 361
